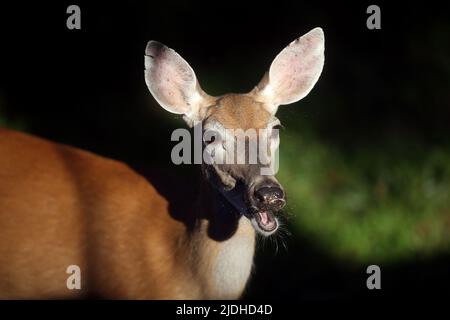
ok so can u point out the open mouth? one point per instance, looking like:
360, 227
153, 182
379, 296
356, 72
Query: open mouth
262, 218
265, 222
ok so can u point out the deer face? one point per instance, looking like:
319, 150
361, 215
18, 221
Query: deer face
240, 131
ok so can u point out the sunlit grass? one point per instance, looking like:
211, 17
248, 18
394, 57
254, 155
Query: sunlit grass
370, 204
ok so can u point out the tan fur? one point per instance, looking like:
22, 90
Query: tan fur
240, 111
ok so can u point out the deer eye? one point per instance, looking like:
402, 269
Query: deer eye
210, 136
277, 126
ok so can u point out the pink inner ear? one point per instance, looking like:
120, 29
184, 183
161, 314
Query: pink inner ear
171, 80
296, 69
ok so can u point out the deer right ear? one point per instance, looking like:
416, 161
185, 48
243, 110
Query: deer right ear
173, 83
294, 71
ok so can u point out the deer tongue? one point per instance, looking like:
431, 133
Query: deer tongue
266, 220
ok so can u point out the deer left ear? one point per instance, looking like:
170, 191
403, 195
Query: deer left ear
294, 71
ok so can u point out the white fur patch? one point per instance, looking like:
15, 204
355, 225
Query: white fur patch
233, 263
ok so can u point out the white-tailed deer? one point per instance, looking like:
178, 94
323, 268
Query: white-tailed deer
61, 206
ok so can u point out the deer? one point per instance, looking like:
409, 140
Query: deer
63, 206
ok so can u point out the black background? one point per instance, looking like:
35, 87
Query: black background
86, 88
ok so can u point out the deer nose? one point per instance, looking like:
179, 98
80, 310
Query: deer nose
271, 197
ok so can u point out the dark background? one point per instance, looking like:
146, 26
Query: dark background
86, 88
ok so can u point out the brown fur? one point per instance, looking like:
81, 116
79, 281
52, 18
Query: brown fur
240, 111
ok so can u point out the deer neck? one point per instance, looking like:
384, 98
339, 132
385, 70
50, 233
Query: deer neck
222, 245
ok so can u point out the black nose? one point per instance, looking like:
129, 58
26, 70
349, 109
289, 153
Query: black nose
271, 196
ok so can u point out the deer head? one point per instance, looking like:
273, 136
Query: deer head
230, 118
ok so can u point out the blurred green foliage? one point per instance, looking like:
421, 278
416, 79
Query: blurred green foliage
17, 125
373, 203
6, 122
